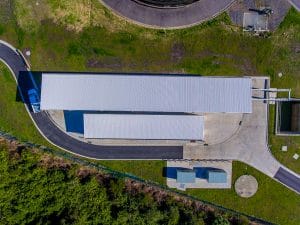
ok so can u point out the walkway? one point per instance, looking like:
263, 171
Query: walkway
168, 17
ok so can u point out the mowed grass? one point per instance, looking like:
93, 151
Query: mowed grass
276, 142
272, 202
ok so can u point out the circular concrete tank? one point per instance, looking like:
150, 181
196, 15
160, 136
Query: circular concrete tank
246, 186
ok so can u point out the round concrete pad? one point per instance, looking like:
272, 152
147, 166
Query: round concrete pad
246, 186
168, 17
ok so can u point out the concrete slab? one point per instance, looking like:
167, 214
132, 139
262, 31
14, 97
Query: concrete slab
284, 148
219, 127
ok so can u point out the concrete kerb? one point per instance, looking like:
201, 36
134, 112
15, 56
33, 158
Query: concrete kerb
165, 28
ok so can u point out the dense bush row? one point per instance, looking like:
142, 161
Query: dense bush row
41, 189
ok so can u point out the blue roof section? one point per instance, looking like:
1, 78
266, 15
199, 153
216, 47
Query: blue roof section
186, 176
217, 177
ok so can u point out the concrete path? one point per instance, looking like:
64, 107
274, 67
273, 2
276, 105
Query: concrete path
168, 17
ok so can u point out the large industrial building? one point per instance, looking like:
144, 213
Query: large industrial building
139, 106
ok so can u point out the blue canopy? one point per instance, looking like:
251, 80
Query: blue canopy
186, 176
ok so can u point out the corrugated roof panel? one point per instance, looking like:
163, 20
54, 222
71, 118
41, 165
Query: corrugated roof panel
217, 177
132, 126
152, 93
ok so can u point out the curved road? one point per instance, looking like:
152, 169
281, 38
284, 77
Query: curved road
168, 17
64, 141
55, 136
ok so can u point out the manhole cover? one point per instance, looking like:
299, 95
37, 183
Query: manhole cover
246, 186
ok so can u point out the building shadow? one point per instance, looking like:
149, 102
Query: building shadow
27, 80
74, 121
201, 172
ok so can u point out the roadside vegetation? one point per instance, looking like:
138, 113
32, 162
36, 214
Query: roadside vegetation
70, 35
43, 189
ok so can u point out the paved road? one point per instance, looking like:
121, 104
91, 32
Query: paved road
288, 179
296, 4
168, 17
59, 138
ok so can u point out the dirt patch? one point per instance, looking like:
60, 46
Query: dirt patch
108, 62
6, 11
177, 52
296, 48
15, 149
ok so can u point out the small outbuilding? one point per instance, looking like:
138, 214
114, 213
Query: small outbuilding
217, 176
144, 126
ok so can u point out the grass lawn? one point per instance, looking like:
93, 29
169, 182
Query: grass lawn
273, 201
61, 39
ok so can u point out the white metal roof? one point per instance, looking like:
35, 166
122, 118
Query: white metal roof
133, 126
153, 93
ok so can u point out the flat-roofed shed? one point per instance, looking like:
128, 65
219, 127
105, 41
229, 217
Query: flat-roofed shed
145, 93
133, 126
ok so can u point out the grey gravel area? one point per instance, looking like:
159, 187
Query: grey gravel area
280, 8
